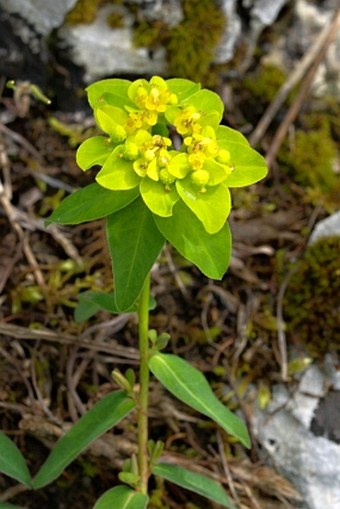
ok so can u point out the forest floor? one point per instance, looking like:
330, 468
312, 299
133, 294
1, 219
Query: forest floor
52, 369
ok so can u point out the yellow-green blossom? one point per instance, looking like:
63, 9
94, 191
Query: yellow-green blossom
139, 119
153, 95
187, 121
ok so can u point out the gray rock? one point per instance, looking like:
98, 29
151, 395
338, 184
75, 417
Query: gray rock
43, 15
225, 50
311, 463
265, 11
103, 51
169, 11
310, 19
326, 228
293, 431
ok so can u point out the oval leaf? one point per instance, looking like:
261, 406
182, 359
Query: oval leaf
100, 92
183, 88
226, 134
211, 207
249, 165
12, 462
90, 203
210, 104
156, 198
135, 242
100, 418
210, 253
93, 151
117, 173
189, 385
122, 497
192, 481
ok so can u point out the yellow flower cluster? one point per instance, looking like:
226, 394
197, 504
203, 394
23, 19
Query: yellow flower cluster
153, 156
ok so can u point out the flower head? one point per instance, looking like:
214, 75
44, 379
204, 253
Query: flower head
151, 96
139, 153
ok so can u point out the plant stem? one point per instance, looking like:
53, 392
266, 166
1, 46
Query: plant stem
144, 375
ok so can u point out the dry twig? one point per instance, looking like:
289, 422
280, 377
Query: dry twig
301, 96
293, 79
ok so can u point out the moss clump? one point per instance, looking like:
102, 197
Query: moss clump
115, 20
189, 45
85, 11
310, 160
265, 82
311, 304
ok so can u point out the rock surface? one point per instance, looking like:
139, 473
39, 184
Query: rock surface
299, 433
105, 51
326, 228
43, 15
102, 51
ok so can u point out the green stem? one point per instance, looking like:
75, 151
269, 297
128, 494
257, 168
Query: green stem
144, 375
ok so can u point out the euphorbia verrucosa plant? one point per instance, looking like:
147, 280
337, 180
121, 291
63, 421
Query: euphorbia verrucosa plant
166, 166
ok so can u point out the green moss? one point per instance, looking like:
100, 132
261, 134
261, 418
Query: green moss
311, 304
190, 45
309, 159
265, 82
85, 11
115, 20
150, 35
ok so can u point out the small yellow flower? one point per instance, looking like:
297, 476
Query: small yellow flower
200, 178
197, 160
166, 178
186, 122
153, 96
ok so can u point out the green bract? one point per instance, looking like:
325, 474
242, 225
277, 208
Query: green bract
163, 142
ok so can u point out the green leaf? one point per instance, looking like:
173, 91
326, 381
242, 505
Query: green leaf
98, 420
117, 173
94, 151
190, 386
90, 203
210, 104
90, 302
210, 253
249, 165
224, 133
111, 120
192, 481
135, 243
122, 497
182, 88
156, 198
7, 505
212, 207
109, 91
12, 462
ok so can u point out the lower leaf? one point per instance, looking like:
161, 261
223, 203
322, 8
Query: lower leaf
103, 416
90, 203
90, 302
189, 385
122, 497
210, 253
192, 481
7, 505
12, 462
135, 243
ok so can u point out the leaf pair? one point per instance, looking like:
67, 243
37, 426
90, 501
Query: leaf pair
136, 236
122, 497
103, 416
